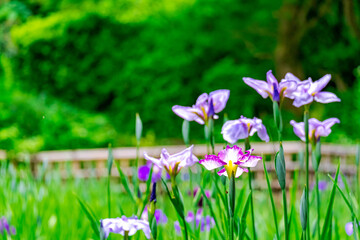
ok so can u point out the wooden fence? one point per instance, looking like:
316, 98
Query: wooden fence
84, 163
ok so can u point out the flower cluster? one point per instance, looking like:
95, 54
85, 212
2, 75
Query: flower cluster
302, 92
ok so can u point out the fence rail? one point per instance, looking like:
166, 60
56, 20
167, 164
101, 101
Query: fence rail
84, 163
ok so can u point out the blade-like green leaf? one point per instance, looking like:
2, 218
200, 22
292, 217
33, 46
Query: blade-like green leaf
271, 200
125, 183
244, 215
90, 215
327, 223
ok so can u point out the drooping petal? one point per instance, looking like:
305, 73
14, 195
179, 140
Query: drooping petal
326, 97
261, 87
304, 99
187, 113
250, 162
219, 98
328, 123
258, 126
299, 129
320, 84
324, 129
211, 162
234, 130
185, 158
155, 161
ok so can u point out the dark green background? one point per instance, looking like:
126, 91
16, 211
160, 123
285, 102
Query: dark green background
74, 73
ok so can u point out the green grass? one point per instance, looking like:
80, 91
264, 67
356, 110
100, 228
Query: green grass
47, 208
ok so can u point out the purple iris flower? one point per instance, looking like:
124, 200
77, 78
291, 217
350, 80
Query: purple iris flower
205, 107
206, 223
242, 128
322, 185
308, 91
317, 128
232, 159
271, 87
144, 172
174, 163
124, 225
160, 216
349, 228
6, 228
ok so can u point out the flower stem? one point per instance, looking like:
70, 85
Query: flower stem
272, 201
317, 201
231, 205
185, 229
306, 123
285, 215
247, 147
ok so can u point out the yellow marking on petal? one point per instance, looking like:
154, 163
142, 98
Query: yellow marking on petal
230, 168
204, 112
170, 170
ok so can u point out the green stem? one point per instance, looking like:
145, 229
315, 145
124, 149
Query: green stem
306, 123
185, 229
285, 215
248, 147
252, 207
126, 236
108, 195
212, 137
207, 137
232, 204
317, 201
272, 201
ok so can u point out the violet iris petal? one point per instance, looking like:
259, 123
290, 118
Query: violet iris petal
144, 172
5, 227
184, 158
242, 128
231, 157
124, 224
177, 227
271, 87
349, 228
205, 107
317, 128
308, 91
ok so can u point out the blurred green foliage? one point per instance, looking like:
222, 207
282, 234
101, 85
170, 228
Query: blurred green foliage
89, 66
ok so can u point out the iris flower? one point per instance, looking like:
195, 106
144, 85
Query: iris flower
144, 172
308, 91
174, 163
6, 228
124, 226
242, 128
232, 159
349, 228
317, 128
206, 223
271, 87
205, 107
159, 215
